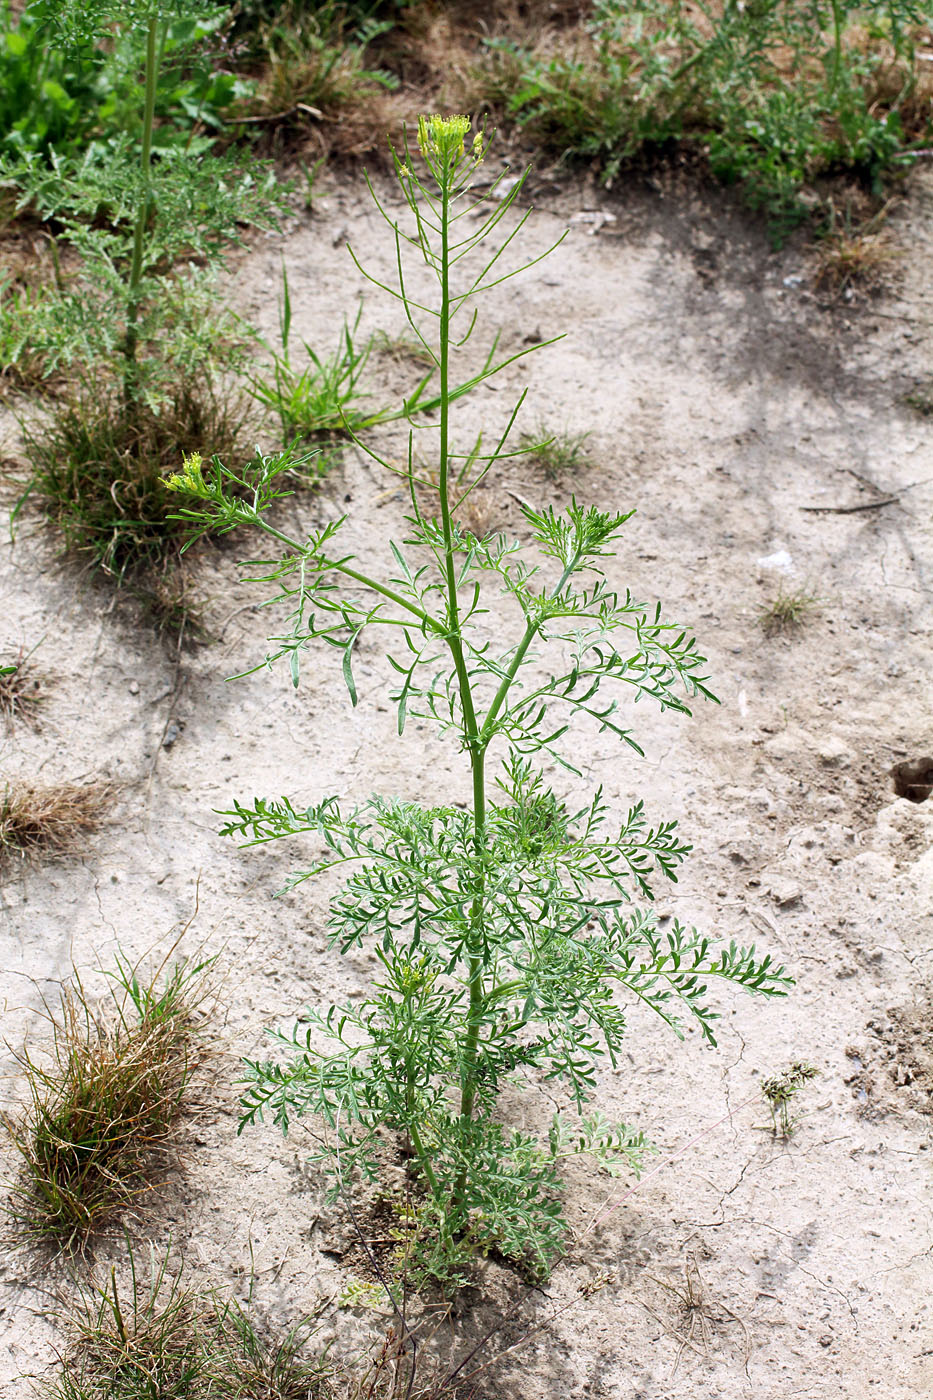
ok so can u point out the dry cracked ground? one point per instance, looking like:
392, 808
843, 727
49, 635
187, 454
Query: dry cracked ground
762, 432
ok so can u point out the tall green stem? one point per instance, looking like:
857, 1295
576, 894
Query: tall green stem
837, 43
475, 746
130, 375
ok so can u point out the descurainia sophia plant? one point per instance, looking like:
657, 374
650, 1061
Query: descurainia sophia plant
506, 935
151, 217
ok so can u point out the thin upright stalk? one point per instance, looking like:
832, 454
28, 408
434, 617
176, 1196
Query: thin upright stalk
837, 44
130, 374
474, 743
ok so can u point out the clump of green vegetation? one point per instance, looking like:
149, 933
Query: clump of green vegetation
780, 1090
53, 819
322, 399
314, 73
98, 468
788, 611
504, 926
48, 99
556, 454
58, 97
103, 1102
149, 220
323, 403
775, 94
158, 1338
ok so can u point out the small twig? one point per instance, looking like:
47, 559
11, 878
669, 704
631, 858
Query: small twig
279, 116
851, 510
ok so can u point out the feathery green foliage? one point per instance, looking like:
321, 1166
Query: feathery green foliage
151, 221
509, 933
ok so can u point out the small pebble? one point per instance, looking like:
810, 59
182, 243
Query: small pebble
134, 687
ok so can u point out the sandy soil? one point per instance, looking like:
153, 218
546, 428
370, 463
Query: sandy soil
726, 403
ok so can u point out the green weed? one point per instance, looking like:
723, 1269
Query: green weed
504, 929
788, 611
556, 454
324, 398
133, 324
780, 1090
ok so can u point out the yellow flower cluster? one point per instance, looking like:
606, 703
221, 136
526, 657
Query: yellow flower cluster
189, 479
444, 136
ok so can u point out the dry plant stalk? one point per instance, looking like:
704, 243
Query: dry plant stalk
97, 1128
36, 820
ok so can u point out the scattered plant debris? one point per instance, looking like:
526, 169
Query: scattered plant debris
780, 1090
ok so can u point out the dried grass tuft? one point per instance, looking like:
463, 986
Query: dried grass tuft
788, 611
847, 259
50, 820
96, 1131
